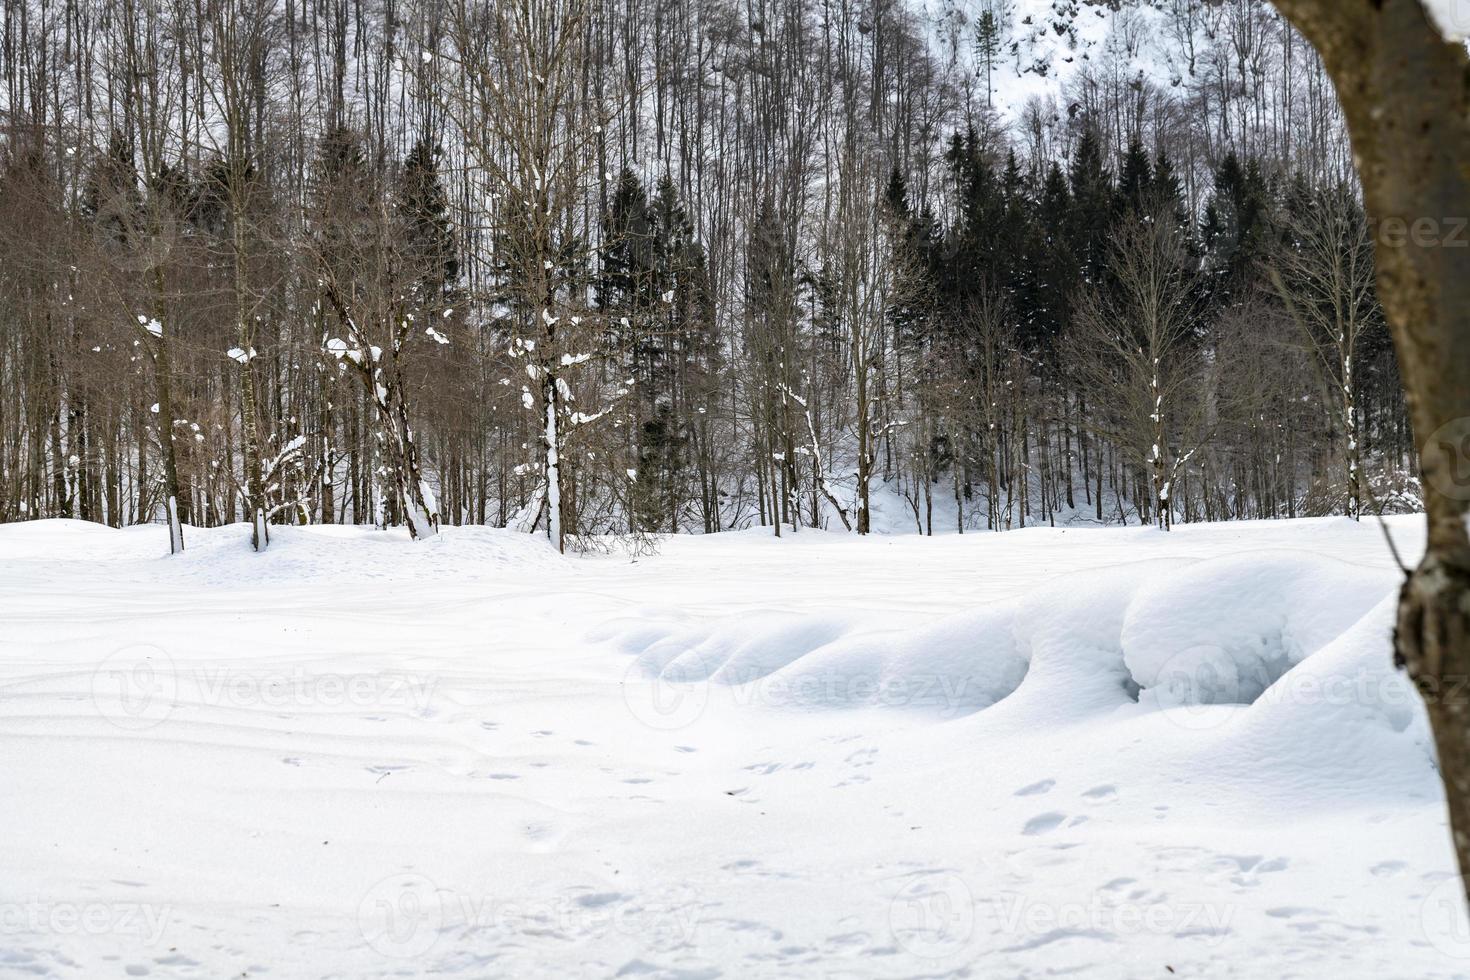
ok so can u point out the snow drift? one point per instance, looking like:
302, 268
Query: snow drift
1169, 634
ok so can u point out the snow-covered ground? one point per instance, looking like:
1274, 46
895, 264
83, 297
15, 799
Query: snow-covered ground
980, 756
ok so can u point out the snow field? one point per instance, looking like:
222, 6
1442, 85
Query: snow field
1103, 752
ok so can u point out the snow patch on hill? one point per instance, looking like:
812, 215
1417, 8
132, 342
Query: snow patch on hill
1046, 44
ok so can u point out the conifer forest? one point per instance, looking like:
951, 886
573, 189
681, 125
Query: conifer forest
589, 267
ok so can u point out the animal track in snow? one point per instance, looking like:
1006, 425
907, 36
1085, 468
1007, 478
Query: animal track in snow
1043, 823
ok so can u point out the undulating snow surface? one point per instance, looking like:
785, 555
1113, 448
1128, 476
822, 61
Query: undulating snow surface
1114, 753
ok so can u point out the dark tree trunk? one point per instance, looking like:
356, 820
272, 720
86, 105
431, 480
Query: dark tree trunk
1405, 92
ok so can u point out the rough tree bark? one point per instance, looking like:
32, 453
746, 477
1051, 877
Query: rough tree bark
1405, 92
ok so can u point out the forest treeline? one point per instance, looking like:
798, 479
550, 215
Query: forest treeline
680, 265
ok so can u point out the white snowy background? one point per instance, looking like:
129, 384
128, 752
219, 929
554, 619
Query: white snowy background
1050, 752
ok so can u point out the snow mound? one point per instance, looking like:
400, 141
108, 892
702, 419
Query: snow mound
957, 665
1225, 630
1071, 631
56, 537
1166, 633
313, 554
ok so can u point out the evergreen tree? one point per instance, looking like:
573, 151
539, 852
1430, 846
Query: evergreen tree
1135, 180
1236, 230
429, 239
1092, 207
111, 198
1046, 306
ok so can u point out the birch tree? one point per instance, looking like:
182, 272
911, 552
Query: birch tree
532, 130
1324, 277
1140, 346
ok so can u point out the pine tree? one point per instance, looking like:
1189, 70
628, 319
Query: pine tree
1045, 306
429, 240
1135, 180
1092, 206
1236, 231
987, 47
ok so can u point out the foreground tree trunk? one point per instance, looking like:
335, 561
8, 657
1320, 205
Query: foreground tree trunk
1405, 92
164, 411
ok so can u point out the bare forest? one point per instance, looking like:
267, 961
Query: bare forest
585, 267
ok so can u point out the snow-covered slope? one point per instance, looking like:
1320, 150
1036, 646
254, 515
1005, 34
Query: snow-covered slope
1044, 45
1114, 753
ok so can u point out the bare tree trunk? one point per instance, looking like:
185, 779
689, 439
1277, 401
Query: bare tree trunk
162, 369
249, 412
551, 447
1405, 92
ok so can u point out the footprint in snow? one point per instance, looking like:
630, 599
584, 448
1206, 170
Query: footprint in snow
1244, 862
1102, 792
1036, 789
1043, 823
599, 899
537, 831
175, 959
1292, 911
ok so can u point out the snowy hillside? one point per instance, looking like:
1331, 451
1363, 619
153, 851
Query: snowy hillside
1043, 45
992, 755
